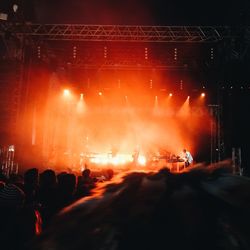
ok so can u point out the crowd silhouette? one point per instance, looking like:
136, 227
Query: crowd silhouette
205, 208
30, 201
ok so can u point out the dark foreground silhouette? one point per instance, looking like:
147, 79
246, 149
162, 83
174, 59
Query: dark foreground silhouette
200, 209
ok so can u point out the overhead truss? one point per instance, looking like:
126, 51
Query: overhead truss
117, 33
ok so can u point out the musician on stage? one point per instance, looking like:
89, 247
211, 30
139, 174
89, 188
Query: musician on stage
187, 157
135, 155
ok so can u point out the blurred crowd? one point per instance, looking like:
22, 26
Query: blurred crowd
204, 208
30, 201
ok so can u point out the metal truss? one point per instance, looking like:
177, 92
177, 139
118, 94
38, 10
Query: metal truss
124, 65
117, 33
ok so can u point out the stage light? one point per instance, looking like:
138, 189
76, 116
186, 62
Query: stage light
38, 52
15, 8
142, 160
181, 84
211, 53
81, 105
146, 53
74, 52
203, 94
151, 84
100, 93
170, 94
188, 97
175, 54
105, 52
156, 105
66, 92
184, 110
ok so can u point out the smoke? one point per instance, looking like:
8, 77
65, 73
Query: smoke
99, 122
68, 123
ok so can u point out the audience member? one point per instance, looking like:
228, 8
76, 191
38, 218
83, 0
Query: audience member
85, 184
31, 178
47, 194
19, 224
66, 189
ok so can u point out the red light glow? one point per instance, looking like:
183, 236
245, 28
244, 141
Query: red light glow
68, 124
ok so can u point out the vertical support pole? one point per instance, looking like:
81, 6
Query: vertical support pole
33, 134
219, 133
239, 162
211, 136
215, 134
233, 160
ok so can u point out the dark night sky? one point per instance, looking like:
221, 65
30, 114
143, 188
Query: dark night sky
157, 12
171, 12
